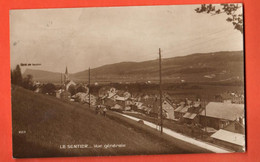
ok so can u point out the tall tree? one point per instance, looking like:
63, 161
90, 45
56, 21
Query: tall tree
28, 82
16, 76
231, 10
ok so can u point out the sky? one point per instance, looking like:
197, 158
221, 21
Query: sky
91, 37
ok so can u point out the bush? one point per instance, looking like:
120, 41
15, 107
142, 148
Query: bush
28, 83
49, 88
72, 89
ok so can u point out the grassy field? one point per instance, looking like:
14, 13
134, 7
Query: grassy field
203, 91
42, 124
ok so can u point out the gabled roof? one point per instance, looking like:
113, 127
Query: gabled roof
119, 98
190, 115
196, 104
179, 108
227, 111
236, 127
111, 95
182, 109
169, 100
70, 82
230, 137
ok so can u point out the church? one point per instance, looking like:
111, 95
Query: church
64, 93
67, 81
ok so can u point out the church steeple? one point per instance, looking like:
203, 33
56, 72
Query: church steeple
66, 75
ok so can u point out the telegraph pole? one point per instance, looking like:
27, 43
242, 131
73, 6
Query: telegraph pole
61, 79
206, 123
89, 87
160, 75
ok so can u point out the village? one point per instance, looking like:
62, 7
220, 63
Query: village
220, 122
154, 79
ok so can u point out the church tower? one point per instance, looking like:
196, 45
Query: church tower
66, 75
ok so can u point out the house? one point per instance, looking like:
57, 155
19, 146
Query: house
58, 93
152, 105
218, 115
169, 108
182, 109
191, 116
232, 136
117, 107
112, 90
232, 140
93, 99
84, 98
232, 97
80, 97
146, 97
120, 100
125, 94
138, 105
237, 126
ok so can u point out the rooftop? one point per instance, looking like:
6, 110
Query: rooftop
227, 136
227, 111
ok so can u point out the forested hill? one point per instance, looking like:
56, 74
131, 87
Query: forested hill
217, 66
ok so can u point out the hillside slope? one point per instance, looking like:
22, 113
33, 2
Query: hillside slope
41, 124
218, 66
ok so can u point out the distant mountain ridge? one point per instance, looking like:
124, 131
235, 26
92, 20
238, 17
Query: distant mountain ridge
216, 66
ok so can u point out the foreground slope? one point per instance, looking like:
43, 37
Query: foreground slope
41, 124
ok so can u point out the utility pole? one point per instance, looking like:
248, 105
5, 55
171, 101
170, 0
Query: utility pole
206, 119
61, 79
89, 87
160, 75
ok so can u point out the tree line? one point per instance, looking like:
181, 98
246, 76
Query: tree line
17, 79
48, 88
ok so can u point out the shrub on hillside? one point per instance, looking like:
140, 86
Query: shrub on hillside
49, 88
28, 83
72, 90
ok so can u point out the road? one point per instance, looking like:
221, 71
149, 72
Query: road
201, 144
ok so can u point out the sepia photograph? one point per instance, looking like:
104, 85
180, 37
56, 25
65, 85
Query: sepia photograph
135, 80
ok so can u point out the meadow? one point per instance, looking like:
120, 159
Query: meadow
42, 124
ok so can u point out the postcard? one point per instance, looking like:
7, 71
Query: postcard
137, 80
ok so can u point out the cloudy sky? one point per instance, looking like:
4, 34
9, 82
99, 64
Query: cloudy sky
90, 37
